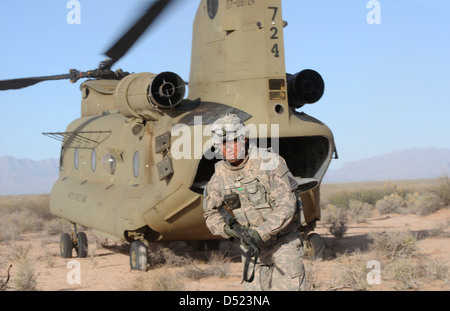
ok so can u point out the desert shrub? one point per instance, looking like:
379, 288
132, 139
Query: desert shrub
443, 190
164, 255
163, 282
18, 251
439, 230
408, 272
351, 274
395, 244
57, 226
438, 270
219, 263
9, 231
167, 282
24, 214
343, 198
4, 279
25, 277
337, 219
360, 211
389, 204
422, 203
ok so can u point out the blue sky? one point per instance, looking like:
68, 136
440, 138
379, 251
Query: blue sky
386, 84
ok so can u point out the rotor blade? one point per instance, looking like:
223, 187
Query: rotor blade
14, 84
131, 36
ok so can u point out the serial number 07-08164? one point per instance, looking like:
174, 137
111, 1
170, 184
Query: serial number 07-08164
239, 3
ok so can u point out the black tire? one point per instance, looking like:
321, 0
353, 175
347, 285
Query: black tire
66, 245
198, 246
138, 256
213, 245
317, 243
82, 245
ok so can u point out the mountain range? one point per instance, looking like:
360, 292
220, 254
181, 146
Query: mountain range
406, 164
25, 176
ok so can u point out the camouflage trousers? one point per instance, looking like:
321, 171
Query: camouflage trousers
279, 266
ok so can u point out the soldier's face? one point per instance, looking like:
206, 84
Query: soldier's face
233, 151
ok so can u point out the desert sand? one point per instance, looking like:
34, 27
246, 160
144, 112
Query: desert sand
107, 266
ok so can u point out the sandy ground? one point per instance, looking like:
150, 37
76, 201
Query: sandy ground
107, 268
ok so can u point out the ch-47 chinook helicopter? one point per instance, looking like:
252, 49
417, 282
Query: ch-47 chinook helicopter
134, 165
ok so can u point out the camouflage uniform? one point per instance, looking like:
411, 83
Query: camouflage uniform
264, 185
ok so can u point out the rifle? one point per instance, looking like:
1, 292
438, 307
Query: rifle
232, 202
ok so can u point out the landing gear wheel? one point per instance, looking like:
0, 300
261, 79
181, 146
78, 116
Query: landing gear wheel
203, 245
66, 245
213, 245
138, 256
82, 245
317, 245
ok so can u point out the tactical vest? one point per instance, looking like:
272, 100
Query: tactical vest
251, 184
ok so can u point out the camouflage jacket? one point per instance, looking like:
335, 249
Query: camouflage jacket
264, 185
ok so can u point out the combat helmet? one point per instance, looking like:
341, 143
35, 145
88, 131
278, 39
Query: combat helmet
228, 128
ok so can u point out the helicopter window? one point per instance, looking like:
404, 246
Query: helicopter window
75, 158
93, 160
61, 159
109, 163
136, 164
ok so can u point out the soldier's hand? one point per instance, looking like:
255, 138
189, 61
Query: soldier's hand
230, 232
254, 235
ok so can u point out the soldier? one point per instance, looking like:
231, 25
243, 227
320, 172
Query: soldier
268, 210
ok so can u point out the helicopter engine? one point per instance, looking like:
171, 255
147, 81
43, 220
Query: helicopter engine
304, 87
137, 94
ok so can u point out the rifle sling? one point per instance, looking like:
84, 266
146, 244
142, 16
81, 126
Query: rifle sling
248, 257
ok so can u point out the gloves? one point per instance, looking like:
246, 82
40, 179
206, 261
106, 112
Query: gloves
254, 235
230, 232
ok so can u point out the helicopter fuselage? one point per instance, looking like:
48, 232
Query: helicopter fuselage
135, 164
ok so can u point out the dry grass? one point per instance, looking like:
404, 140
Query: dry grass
186, 269
351, 274
392, 245
403, 266
442, 190
25, 277
164, 282
21, 214
341, 206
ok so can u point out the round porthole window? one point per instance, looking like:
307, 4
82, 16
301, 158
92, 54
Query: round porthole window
61, 159
93, 160
136, 164
109, 163
76, 159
